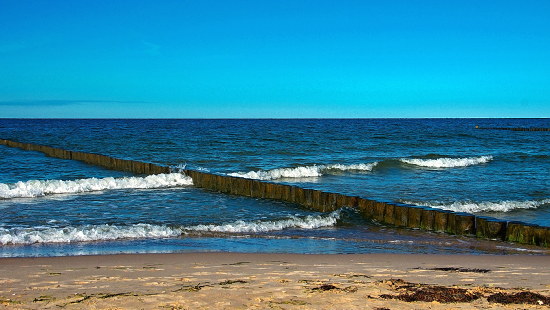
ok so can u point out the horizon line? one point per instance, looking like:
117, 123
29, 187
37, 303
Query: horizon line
253, 118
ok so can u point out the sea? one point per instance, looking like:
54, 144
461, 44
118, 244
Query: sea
58, 207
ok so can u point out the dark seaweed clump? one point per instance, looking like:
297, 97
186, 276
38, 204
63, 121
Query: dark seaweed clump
519, 298
436, 293
455, 269
325, 287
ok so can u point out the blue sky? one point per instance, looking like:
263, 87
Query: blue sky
218, 59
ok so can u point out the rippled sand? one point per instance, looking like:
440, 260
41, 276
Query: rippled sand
273, 281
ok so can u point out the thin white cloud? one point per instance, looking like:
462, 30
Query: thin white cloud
58, 102
151, 48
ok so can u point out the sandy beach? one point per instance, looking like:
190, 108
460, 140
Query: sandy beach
275, 281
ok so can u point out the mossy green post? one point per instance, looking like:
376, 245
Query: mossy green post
490, 228
401, 215
414, 216
441, 220
427, 221
379, 210
389, 214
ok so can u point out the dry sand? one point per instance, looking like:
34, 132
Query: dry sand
273, 281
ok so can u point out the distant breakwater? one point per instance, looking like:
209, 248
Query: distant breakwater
515, 128
385, 212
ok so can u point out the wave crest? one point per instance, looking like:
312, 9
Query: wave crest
302, 171
85, 233
308, 222
106, 232
38, 188
446, 162
487, 206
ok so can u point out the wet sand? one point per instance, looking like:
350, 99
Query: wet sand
275, 281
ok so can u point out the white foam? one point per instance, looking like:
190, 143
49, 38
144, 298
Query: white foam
448, 162
298, 172
302, 171
37, 188
106, 232
308, 222
487, 206
85, 233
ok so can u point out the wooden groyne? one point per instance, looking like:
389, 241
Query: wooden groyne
386, 212
92, 159
515, 128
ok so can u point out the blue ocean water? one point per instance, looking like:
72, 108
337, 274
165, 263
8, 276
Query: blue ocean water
52, 206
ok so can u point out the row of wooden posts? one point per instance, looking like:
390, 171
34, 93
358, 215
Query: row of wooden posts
386, 212
93, 159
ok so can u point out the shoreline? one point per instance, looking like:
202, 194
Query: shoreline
261, 281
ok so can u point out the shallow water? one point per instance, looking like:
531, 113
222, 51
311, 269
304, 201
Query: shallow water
442, 163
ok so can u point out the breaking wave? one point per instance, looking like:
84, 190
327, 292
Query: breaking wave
308, 222
301, 172
106, 232
85, 233
38, 188
447, 162
473, 207
320, 170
